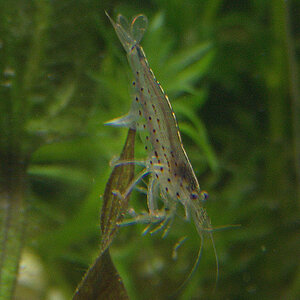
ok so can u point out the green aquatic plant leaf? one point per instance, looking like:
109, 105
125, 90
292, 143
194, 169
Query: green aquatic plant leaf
197, 132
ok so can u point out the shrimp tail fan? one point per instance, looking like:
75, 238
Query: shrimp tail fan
129, 35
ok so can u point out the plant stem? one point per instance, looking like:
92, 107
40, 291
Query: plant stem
276, 181
295, 96
12, 216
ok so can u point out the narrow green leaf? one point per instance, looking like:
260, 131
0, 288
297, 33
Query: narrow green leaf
197, 132
189, 56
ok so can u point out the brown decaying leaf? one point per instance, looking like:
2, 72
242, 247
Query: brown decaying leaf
102, 281
113, 208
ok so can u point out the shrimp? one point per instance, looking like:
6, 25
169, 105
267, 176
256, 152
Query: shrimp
167, 163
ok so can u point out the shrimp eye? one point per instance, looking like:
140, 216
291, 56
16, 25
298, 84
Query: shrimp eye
193, 196
204, 195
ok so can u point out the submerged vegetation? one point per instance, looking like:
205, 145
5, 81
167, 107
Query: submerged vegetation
231, 71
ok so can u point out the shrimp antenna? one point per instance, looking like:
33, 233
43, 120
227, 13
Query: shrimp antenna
221, 228
196, 263
217, 260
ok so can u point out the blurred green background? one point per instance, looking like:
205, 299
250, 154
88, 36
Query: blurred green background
230, 69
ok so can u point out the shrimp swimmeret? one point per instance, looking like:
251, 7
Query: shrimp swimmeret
167, 164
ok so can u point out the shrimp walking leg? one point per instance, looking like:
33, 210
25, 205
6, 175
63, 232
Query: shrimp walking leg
151, 195
135, 181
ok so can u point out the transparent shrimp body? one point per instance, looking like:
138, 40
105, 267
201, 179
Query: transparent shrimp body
152, 114
167, 163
